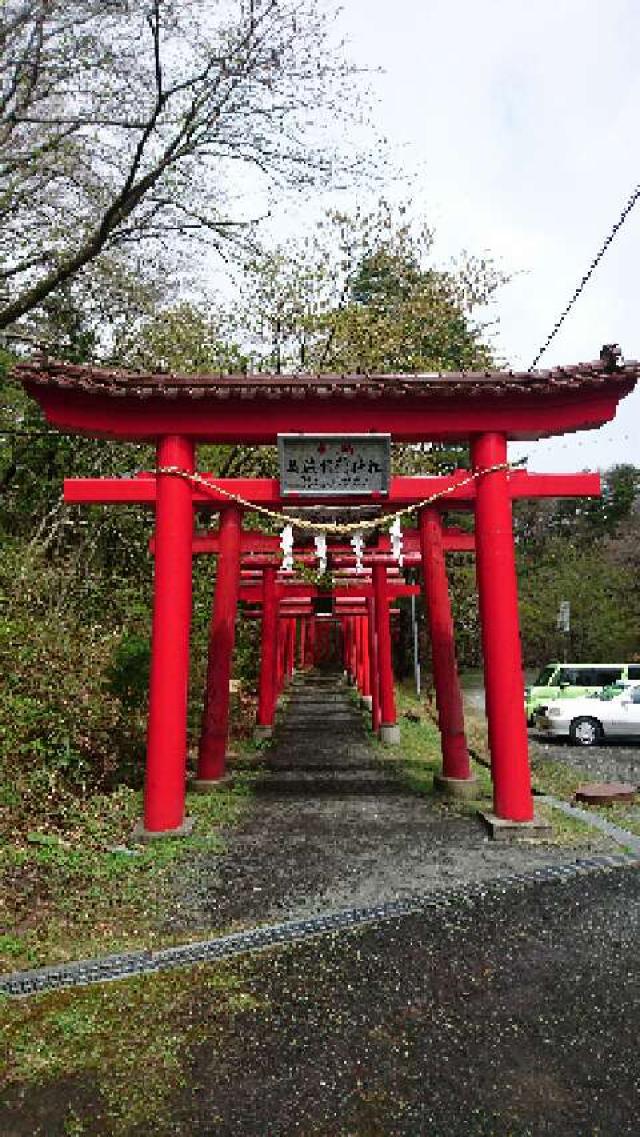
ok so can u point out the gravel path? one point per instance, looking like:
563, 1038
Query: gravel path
332, 827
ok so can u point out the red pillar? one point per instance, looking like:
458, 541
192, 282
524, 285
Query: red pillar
361, 653
357, 652
498, 596
345, 643
366, 666
164, 792
351, 650
280, 658
311, 642
389, 731
222, 635
373, 666
268, 651
302, 652
455, 756
290, 648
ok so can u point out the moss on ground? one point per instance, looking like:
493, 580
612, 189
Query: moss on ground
130, 1042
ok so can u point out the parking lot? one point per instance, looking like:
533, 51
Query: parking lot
615, 761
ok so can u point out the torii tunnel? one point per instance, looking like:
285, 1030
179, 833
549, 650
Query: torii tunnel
484, 410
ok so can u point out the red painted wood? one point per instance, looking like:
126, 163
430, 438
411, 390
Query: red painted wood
215, 718
260, 420
291, 647
455, 540
252, 593
403, 490
455, 756
383, 637
374, 680
164, 793
498, 597
311, 642
366, 663
268, 649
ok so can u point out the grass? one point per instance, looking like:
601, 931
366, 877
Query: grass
84, 892
560, 780
419, 758
117, 1053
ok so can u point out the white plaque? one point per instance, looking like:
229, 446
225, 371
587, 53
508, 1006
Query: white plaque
334, 465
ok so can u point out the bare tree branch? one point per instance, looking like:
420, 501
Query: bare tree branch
121, 122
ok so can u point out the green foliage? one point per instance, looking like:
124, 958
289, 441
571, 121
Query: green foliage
361, 294
133, 1042
181, 338
128, 675
63, 733
586, 552
605, 613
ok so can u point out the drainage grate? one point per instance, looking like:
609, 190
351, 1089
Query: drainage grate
108, 968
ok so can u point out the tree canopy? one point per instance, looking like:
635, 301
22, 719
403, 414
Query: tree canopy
127, 129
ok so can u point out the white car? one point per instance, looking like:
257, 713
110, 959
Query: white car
614, 713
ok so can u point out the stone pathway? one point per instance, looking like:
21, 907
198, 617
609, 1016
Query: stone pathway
332, 827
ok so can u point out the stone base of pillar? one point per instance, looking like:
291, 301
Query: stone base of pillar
142, 836
501, 829
390, 734
367, 701
260, 733
455, 787
210, 785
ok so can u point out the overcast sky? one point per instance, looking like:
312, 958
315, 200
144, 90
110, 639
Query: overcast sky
521, 121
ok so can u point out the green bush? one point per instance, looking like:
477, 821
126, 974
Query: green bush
128, 674
65, 732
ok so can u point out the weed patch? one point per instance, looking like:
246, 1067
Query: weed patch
131, 1041
83, 891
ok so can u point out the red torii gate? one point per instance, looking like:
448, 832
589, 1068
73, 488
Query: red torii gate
484, 409
372, 670
427, 544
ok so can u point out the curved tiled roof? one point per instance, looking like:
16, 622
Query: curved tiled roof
116, 383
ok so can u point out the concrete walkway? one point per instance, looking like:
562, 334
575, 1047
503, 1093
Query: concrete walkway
333, 826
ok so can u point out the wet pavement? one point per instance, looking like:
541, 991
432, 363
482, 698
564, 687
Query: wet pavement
515, 1015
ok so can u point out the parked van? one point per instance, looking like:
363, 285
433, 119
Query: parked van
572, 680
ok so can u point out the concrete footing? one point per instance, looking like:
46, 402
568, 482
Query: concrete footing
455, 787
210, 785
367, 701
390, 734
260, 733
142, 836
501, 829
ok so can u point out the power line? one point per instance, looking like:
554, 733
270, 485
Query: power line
588, 274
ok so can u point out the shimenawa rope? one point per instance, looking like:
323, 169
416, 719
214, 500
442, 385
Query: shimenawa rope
333, 526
